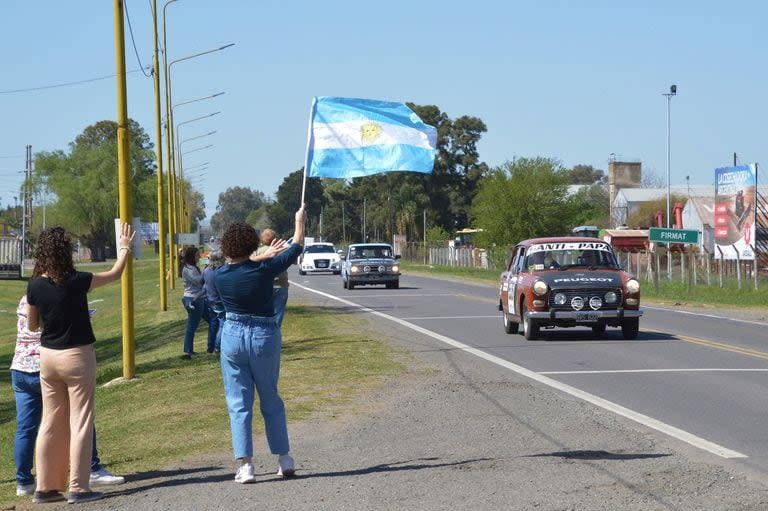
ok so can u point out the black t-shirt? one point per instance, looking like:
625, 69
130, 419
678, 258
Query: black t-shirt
63, 310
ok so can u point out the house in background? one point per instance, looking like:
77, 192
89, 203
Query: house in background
628, 200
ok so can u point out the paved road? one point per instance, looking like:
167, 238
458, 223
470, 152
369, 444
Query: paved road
703, 377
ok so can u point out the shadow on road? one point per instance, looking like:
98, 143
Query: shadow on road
597, 455
417, 464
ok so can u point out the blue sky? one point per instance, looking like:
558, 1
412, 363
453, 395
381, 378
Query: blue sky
572, 80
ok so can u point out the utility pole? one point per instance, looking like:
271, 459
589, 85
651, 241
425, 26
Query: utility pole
26, 217
159, 150
343, 225
124, 192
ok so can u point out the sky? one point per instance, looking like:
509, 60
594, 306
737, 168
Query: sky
578, 81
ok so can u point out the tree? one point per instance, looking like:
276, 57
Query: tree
288, 196
589, 206
84, 183
585, 175
524, 198
235, 204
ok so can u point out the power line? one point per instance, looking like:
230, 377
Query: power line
12, 156
133, 41
66, 84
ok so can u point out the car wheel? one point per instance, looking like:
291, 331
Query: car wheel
344, 283
337, 273
530, 326
510, 327
598, 330
630, 328
350, 285
396, 284
302, 272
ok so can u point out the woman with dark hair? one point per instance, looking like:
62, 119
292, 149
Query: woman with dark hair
251, 342
57, 298
193, 299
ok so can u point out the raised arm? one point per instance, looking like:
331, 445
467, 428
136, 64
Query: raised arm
298, 232
123, 253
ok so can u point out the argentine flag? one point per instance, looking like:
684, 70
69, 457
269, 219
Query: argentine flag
358, 137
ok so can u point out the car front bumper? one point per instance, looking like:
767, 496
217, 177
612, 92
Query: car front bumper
583, 316
373, 279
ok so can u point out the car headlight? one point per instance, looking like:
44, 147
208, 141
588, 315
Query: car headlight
610, 297
395, 268
354, 269
560, 299
540, 287
633, 286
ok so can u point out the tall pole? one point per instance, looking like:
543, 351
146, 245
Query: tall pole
159, 146
124, 191
364, 240
343, 224
171, 188
672, 92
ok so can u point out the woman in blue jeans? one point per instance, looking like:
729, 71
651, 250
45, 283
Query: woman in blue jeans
251, 342
193, 299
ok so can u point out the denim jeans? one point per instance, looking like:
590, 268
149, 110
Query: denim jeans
215, 322
250, 359
280, 299
196, 310
29, 411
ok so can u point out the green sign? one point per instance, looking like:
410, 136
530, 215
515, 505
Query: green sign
659, 235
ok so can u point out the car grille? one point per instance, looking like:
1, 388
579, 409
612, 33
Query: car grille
372, 268
586, 294
322, 263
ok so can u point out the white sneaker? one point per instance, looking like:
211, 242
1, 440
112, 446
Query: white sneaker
25, 490
245, 474
102, 477
286, 466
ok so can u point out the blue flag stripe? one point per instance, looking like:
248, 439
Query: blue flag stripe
332, 109
351, 162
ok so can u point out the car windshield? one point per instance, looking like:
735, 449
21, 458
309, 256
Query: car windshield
320, 249
370, 252
560, 256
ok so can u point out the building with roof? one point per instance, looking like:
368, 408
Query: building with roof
628, 200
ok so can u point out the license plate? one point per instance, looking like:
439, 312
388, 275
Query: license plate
587, 316
322, 265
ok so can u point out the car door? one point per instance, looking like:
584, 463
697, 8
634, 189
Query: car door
513, 279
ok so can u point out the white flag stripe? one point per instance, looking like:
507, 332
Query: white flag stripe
349, 134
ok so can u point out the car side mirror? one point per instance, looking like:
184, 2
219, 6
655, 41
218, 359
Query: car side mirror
397, 256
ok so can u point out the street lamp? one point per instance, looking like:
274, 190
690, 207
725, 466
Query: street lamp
178, 153
672, 92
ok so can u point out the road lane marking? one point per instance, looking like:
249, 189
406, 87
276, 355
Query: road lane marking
713, 344
402, 295
691, 370
452, 317
761, 323
640, 418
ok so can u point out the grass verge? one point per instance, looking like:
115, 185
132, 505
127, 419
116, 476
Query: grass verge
175, 408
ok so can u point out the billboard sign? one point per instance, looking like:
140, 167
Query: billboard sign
735, 200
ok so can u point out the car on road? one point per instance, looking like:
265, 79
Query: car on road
319, 257
367, 264
567, 282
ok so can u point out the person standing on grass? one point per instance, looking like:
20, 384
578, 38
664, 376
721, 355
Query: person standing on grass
251, 342
25, 378
57, 301
215, 307
193, 299
280, 285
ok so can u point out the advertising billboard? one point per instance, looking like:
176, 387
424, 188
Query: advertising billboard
735, 200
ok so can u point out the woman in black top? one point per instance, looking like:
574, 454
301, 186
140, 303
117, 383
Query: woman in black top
57, 296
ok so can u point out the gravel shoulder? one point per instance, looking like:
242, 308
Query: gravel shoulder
456, 432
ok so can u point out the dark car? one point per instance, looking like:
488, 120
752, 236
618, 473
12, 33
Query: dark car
568, 282
367, 264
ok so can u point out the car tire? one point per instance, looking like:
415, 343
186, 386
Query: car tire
396, 284
350, 285
530, 326
598, 330
302, 272
630, 327
337, 273
344, 283
510, 327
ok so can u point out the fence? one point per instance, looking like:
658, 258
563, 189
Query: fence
463, 257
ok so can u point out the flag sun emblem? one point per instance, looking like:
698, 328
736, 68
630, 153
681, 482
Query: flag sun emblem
370, 131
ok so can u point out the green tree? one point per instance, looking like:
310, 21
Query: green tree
524, 198
288, 196
235, 204
589, 206
83, 184
585, 175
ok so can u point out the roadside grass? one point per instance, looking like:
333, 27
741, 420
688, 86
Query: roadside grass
175, 409
674, 292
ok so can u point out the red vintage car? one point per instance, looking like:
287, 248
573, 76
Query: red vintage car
568, 282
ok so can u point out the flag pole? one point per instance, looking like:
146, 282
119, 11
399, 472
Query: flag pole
306, 156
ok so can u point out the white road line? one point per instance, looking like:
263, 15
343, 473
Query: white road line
453, 317
692, 370
667, 309
403, 295
640, 418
